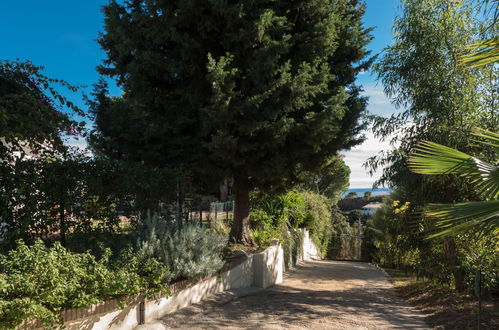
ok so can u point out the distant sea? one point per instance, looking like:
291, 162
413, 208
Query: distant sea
374, 192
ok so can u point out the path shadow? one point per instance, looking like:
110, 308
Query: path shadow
297, 304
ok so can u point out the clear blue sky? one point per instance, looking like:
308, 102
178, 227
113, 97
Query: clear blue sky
61, 36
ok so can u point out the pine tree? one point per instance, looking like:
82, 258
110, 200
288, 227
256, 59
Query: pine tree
257, 91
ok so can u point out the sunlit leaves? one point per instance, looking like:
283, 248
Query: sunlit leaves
433, 159
482, 53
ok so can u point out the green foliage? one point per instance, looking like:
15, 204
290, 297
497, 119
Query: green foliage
433, 158
442, 100
260, 219
273, 217
318, 219
481, 253
76, 194
331, 180
259, 92
482, 53
226, 76
396, 239
281, 217
190, 251
96, 240
346, 237
266, 227
31, 121
352, 194
354, 215
262, 236
288, 208
292, 245
37, 281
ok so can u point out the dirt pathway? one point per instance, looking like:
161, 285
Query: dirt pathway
319, 295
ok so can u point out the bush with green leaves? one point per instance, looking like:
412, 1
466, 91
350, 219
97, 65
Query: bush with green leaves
288, 209
191, 251
260, 219
292, 245
341, 242
38, 281
281, 216
318, 219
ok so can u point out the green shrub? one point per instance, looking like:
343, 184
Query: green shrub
37, 281
191, 251
292, 245
277, 217
318, 219
261, 219
194, 251
286, 209
262, 236
341, 243
97, 240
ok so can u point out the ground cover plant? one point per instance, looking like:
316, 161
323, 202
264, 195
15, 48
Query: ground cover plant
38, 281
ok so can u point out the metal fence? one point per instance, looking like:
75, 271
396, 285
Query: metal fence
221, 211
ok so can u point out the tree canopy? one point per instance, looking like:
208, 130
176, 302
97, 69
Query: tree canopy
441, 100
257, 91
31, 111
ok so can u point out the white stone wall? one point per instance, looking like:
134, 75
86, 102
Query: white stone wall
310, 251
268, 266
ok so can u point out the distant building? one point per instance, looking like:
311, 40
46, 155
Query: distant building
370, 208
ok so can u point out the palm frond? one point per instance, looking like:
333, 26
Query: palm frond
489, 138
453, 219
482, 53
432, 158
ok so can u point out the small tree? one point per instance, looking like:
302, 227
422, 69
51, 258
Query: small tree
30, 117
367, 195
331, 180
352, 194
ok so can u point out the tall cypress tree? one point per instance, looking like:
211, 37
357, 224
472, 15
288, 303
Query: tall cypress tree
254, 90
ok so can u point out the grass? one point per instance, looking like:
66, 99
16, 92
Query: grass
444, 308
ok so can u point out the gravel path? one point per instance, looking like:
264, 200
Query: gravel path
319, 295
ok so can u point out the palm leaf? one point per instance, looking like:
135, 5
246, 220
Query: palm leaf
483, 52
432, 158
459, 218
490, 138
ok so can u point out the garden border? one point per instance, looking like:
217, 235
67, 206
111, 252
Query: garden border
259, 270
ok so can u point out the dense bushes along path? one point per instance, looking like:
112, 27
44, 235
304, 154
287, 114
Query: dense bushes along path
319, 295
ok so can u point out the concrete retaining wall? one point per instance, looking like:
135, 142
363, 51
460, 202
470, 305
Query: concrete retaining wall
310, 251
262, 270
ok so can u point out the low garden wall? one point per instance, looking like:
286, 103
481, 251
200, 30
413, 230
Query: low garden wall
261, 270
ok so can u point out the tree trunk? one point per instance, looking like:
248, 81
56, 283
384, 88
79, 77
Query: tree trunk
240, 231
453, 262
224, 190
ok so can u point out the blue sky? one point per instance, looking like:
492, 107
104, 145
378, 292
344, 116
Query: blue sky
61, 36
